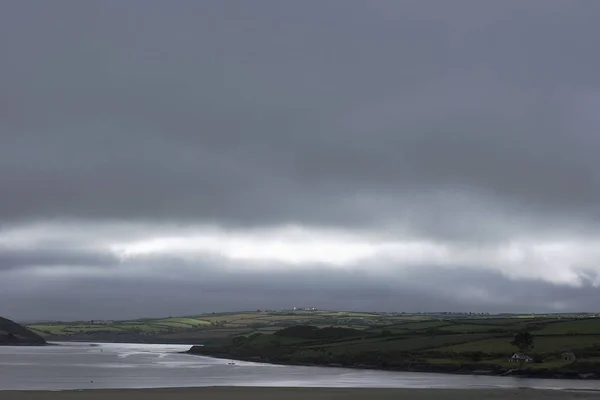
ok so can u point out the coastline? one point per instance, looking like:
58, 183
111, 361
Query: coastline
25, 344
124, 340
293, 393
463, 369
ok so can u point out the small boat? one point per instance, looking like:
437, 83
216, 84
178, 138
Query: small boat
231, 363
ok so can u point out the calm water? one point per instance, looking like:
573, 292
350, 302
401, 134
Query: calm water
76, 365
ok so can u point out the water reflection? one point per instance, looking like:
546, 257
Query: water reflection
85, 365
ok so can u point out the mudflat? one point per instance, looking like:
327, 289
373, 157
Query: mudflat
258, 393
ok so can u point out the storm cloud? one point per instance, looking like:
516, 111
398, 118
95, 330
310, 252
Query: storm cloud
285, 151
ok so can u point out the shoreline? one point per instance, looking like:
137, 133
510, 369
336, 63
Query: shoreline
295, 393
25, 344
423, 368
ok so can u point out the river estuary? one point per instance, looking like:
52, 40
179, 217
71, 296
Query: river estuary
108, 365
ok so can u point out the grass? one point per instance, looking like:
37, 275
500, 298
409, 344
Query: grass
354, 315
59, 329
397, 343
576, 327
434, 351
47, 329
184, 321
412, 326
446, 342
499, 321
441, 339
466, 328
542, 344
490, 345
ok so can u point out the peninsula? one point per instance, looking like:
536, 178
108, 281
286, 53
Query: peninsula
13, 334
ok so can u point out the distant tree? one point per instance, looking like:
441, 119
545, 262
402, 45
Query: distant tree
523, 341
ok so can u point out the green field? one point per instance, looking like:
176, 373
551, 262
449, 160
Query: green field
422, 325
543, 344
469, 328
408, 344
577, 327
200, 326
150, 326
367, 338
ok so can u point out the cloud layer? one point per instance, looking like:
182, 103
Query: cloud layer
263, 142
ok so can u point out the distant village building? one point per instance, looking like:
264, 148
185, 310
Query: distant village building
520, 357
568, 357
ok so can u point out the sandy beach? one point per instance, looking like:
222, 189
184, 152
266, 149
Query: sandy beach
245, 393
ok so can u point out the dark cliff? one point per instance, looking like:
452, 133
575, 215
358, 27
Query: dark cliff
13, 334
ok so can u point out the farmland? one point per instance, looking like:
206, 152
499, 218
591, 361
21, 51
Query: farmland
194, 329
440, 342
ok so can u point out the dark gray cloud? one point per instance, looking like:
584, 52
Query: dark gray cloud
464, 121
14, 259
421, 290
292, 111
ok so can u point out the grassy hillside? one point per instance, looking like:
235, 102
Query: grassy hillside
222, 325
199, 328
12, 333
405, 341
433, 343
429, 347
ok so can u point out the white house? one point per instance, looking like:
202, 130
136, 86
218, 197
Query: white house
520, 357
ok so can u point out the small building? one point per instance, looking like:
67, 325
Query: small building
568, 357
520, 357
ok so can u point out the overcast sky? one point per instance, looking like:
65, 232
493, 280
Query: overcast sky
176, 157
